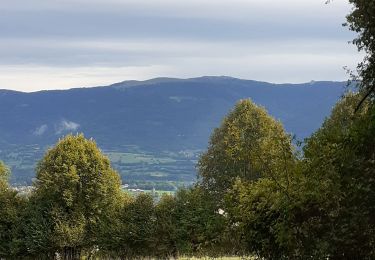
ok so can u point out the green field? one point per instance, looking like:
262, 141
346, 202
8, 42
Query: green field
147, 170
134, 158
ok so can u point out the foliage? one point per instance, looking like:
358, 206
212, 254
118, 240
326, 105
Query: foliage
326, 206
37, 229
253, 217
342, 153
10, 208
74, 190
129, 233
4, 175
199, 226
362, 21
248, 145
165, 230
138, 221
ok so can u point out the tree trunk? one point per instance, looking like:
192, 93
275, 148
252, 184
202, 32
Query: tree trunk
71, 253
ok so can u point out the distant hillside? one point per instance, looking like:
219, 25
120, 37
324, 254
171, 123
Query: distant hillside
153, 130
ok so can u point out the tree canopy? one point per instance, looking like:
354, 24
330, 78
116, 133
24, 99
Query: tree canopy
75, 189
249, 144
4, 175
362, 21
10, 216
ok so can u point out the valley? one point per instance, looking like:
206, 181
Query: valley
153, 131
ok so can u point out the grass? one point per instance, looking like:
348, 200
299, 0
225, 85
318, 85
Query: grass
132, 158
218, 258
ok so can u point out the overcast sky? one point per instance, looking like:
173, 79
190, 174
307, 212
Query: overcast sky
51, 44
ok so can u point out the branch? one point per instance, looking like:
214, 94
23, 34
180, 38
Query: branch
364, 98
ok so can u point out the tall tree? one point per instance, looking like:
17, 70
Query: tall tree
248, 145
10, 216
75, 189
328, 210
342, 153
362, 21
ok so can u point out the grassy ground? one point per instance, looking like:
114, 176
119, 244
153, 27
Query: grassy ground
219, 258
201, 258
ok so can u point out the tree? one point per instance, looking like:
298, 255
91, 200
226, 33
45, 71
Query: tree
4, 175
342, 153
165, 231
253, 214
37, 227
199, 226
110, 238
10, 217
248, 145
75, 189
249, 149
129, 235
362, 21
139, 221
327, 211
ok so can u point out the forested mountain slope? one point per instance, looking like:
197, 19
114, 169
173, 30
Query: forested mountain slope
153, 130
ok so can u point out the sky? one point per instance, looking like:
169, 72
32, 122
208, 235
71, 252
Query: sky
60, 44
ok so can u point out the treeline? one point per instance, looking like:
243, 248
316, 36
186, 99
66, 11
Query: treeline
256, 195
77, 209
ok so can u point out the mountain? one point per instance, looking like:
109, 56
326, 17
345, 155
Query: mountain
152, 130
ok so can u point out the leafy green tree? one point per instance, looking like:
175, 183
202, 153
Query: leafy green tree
110, 238
277, 225
253, 216
305, 213
131, 232
200, 228
328, 210
37, 229
248, 145
4, 175
249, 156
10, 216
342, 153
362, 21
75, 189
165, 231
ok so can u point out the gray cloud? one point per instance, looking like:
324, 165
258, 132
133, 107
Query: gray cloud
270, 24
82, 42
143, 52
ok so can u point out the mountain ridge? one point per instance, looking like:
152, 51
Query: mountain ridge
157, 80
163, 118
